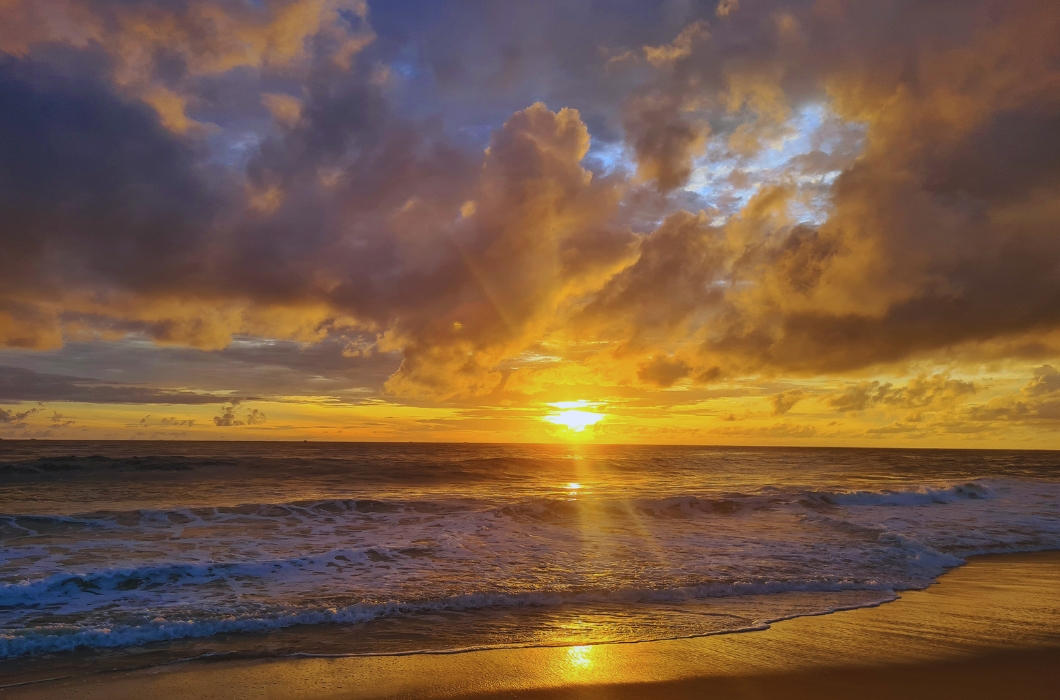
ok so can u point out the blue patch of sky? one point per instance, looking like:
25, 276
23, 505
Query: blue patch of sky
404, 67
776, 162
607, 157
478, 134
233, 150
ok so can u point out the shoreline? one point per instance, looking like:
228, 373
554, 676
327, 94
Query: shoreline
991, 620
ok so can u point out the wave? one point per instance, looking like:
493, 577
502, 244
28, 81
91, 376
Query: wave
22, 524
919, 496
60, 638
736, 503
62, 587
66, 638
543, 508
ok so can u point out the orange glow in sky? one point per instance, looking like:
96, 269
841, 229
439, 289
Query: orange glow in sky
709, 228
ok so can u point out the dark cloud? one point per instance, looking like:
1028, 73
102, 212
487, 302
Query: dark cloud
313, 172
939, 233
663, 371
93, 193
923, 392
665, 142
336, 366
168, 421
18, 385
786, 400
860, 396
15, 418
228, 418
677, 276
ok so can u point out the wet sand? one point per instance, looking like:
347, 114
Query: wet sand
990, 629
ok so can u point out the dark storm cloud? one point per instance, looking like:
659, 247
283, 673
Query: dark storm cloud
93, 191
313, 171
18, 385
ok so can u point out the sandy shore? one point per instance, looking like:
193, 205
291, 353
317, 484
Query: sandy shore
990, 629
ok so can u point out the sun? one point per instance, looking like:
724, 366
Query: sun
575, 420
574, 417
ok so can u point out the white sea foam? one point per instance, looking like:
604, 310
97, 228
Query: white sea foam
68, 637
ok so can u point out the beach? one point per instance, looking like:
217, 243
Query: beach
988, 629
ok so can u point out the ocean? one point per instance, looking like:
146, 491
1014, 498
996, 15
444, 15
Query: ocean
166, 550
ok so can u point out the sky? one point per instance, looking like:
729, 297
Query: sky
798, 222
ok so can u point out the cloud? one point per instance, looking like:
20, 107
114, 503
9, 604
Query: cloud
229, 419
168, 421
95, 193
179, 422
666, 141
17, 385
9, 418
193, 172
161, 52
774, 431
727, 7
860, 396
919, 252
786, 400
284, 108
922, 392
1037, 402
927, 245
1046, 382
58, 420
680, 47
667, 288
534, 243
663, 371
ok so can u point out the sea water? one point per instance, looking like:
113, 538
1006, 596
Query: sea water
324, 548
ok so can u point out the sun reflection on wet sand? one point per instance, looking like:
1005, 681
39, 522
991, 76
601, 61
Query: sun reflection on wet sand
580, 658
